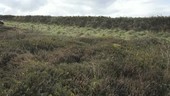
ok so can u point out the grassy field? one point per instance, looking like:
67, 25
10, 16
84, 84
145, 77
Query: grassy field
54, 60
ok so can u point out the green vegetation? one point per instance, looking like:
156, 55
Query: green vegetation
40, 59
58, 30
155, 24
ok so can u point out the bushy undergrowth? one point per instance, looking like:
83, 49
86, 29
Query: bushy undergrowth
140, 24
73, 31
43, 65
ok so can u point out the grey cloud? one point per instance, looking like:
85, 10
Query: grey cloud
24, 5
86, 7
62, 7
92, 3
98, 7
103, 3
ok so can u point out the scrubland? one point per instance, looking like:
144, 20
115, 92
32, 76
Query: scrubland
48, 59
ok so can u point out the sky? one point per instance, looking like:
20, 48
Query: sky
111, 8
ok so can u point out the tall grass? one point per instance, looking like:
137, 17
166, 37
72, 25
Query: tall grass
53, 60
138, 24
73, 31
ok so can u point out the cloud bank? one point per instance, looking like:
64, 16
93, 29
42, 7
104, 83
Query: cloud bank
112, 8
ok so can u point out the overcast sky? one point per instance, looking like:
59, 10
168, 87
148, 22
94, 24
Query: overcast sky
112, 8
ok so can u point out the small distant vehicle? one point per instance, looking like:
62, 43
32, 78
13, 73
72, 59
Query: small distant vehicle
1, 22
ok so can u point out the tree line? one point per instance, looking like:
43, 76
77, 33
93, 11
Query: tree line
160, 23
